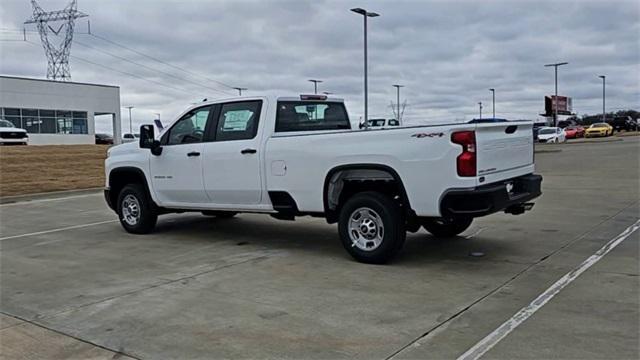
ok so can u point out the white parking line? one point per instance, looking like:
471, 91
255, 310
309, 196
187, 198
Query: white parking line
26, 202
508, 326
56, 230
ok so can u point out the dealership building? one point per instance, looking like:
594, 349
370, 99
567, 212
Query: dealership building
55, 112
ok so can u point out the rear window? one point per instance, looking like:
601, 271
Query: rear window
311, 116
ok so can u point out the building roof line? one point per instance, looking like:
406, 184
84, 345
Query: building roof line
57, 82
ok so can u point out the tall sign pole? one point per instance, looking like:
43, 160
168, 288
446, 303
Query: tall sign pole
555, 99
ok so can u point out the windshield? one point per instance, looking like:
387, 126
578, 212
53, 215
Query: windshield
376, 122
5, 123
599, 125
547, 131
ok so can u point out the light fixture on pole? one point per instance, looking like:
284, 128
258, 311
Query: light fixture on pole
398, 100
480, 104
493, 95
365, 14
130, 123
315, 85
555, 99
604, 117
240, 89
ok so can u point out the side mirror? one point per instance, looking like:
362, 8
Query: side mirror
148, 140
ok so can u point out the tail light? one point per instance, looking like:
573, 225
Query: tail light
465, 162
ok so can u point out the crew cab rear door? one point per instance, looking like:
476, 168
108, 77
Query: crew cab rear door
231, 162
504, 150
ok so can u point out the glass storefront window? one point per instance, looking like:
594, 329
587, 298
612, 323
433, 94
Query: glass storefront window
47, 121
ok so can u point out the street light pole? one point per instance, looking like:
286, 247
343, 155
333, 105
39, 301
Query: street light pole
130, 123
493, 95
365, 15
604, 117
240, 90
480, 104
315, 85
398, 100
555, 99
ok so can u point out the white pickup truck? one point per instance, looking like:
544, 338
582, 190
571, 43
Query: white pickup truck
299, 156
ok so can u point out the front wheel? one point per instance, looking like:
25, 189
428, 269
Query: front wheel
371, 227
136, 210
446, 228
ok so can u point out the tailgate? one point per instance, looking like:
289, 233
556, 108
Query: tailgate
504, 150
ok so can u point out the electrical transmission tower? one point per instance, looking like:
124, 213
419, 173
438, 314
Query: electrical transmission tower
57, 52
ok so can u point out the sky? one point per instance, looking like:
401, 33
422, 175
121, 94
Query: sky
447, 54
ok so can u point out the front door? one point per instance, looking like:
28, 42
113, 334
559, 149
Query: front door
177, 171
231, 163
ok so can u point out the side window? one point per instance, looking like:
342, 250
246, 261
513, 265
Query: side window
238, 121
190, 128
311, 116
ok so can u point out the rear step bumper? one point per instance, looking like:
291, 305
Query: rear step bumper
510, 195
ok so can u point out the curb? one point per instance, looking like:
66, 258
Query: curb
47, 195
594, 141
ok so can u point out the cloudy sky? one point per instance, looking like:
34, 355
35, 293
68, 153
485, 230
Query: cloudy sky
447, 54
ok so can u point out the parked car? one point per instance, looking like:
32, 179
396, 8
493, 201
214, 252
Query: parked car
128, 137
104, 139
598, 130
551, 135
574, 132
383, 123
299, 156
562, 124
10, 134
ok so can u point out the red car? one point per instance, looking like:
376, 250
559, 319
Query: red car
574, 132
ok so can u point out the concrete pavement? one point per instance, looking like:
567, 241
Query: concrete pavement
254, 287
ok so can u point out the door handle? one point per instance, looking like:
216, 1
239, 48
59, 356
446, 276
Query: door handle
193, 153
248, 151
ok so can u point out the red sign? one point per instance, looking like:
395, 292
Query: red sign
562, 103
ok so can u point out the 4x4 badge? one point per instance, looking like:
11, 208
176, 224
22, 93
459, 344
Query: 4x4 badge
422, 135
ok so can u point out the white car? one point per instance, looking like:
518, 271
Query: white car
298, 156
9, 134
128, 137
551, 135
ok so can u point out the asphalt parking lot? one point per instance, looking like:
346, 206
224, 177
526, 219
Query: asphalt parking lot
73, 284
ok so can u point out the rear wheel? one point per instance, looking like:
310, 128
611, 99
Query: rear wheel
136, 210
446, 228
371, 227
220, 214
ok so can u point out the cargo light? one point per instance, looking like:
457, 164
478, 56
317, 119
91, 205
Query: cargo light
313, 97
465, 162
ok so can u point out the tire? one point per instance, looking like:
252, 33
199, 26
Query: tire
443, 228
220, 214
377, 231
136, 210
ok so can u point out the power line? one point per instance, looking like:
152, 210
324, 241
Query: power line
150, 68
142, 65
123, 72
158, 60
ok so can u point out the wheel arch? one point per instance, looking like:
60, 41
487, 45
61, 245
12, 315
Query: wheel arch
364, 172
121, 176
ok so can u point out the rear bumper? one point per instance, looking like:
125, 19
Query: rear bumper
488, 199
